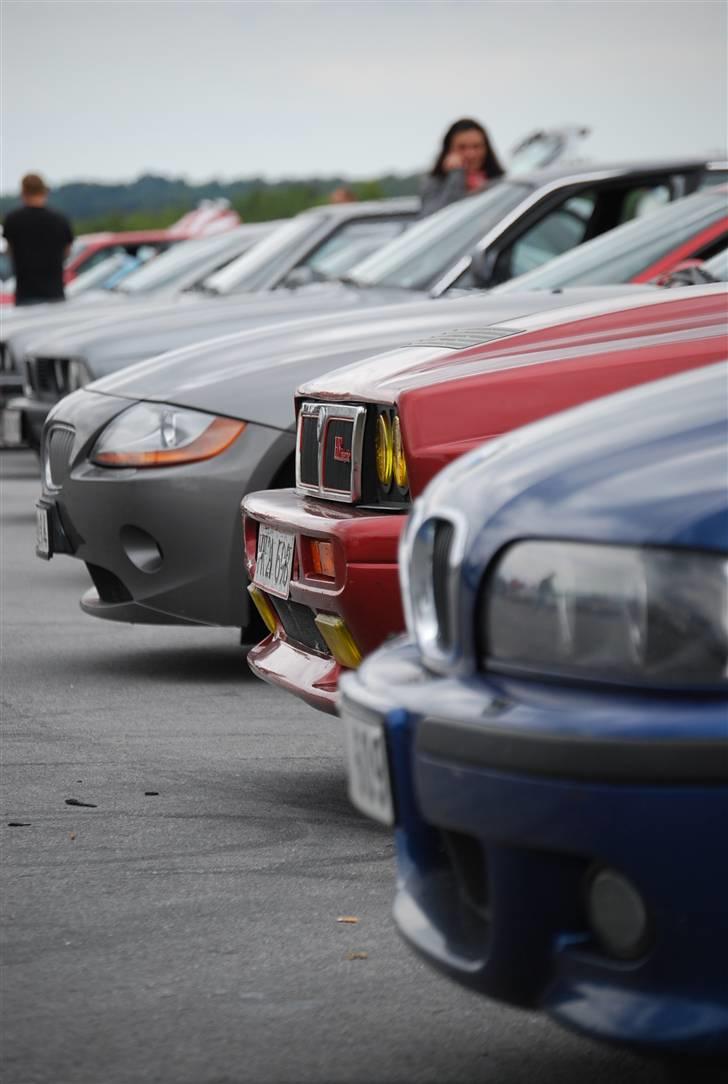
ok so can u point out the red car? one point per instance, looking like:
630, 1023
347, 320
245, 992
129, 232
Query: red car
89, 248
322, 558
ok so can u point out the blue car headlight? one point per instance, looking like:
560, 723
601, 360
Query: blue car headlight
607, 613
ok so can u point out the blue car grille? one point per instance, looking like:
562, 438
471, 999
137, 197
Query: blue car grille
444, 532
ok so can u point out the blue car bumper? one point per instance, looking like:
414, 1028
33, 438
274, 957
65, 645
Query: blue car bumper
512, 797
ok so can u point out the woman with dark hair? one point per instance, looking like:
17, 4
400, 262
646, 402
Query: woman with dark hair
465, 164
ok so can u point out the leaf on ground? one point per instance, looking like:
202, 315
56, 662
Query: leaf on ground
71, 836
77, 801
357, 955
348, 920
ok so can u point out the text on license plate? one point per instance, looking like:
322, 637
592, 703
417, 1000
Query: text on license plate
274, 561
368, 768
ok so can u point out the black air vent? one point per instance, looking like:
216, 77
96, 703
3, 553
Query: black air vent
338, 454
109, 586
309, 451
299, 624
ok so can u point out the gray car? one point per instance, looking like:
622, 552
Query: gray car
143, 472
324, 240
166, 277
514, 225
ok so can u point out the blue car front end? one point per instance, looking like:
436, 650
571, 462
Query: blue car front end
561, 829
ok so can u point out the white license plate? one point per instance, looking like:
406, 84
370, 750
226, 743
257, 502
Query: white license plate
42, 533
368, 767
11, 428
274, 561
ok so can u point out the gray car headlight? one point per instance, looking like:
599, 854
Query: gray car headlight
160, 435
607, 613
78, 375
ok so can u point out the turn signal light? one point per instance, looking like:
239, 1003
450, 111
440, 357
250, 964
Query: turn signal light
339, 640
322, 558
263, 607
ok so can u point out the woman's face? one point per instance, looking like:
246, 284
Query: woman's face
470, 145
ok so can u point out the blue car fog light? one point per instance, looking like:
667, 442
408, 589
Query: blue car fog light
617, 914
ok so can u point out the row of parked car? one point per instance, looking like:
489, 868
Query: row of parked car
484, 487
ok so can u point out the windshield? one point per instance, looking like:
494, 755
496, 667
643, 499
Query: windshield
253, 269
101, 274
417, 259
171, 265
624, 252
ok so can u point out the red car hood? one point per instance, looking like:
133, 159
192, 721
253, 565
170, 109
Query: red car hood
574, 332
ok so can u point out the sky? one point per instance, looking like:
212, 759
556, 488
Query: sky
109, 89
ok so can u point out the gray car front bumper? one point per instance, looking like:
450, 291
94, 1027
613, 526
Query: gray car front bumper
162, 545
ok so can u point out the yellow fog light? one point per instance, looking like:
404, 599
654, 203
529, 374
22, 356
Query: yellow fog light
339, 640
398, 459
263, 607
383, 450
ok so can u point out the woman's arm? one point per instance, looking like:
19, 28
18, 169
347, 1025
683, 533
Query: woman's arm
438, 192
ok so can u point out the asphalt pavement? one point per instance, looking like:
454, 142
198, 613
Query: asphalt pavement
177, 848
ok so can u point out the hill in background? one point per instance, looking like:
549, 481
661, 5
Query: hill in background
154, 202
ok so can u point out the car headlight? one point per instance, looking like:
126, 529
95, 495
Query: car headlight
159, 435
78, 375
607, 613
383, 450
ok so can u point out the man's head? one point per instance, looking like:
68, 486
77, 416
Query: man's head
33, 190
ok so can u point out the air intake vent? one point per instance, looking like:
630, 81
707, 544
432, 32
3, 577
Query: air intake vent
109, 586
467, 337
58, 456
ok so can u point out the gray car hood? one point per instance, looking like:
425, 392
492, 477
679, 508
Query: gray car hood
115, 343
253, 375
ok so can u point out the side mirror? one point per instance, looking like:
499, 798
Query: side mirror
299, 276
482, 267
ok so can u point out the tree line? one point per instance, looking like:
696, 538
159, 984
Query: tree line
153, 202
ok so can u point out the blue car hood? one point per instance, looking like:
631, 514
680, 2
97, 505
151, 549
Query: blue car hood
644, 467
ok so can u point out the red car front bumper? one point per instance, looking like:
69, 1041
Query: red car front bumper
363, 591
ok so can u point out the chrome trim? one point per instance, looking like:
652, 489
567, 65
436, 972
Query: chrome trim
428, 634
50, 485
325, 412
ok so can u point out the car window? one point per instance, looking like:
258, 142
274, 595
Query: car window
644, 201
100, 255
711, 177
620, 254
353, 243
717, 266
273, 254
174, 263
563, 228
417, 259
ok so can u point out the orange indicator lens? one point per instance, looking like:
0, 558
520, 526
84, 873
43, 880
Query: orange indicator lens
322, 558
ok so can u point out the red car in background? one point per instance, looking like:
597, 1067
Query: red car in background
322, 558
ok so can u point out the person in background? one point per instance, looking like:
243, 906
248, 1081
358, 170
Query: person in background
466, 163
343, 194
39, 240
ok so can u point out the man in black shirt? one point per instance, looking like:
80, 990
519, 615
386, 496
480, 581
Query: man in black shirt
39, 240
